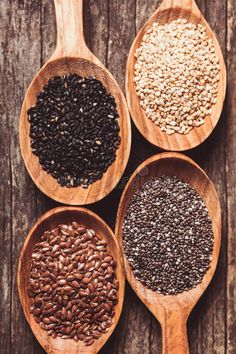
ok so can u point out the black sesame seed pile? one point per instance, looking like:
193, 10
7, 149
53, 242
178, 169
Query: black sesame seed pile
167, 235
74, 129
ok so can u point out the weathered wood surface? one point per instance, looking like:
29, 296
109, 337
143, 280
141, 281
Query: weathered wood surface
27, 38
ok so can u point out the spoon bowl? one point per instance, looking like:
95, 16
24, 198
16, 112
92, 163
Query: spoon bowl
47, 222
73, 56
168, 11
172, 311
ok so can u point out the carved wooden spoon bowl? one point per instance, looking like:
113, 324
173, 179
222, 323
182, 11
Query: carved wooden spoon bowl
47, 222
168, 11
73, 56
172, 311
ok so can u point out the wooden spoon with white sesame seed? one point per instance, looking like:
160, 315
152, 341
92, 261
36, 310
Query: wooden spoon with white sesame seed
168, 11
72, 56
172, 311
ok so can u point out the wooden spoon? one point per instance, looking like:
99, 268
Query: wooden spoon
168, 11
47, 222
73, 56
172, 311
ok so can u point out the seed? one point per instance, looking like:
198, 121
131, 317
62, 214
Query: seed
107, 307
36, 256
38, 301
42, 325
104, 318
95, 283
81, 230
83, 293
90, 233
62, 259
100, 313
104, 265
91, 287
81, 266
86, 280
70, 277
96, 334
55, 248
74, 308
78, 276
81, 336
89, 341
46, 320
54, 240
69, 316
48, 306
62, 282
36, 312
45, 288
75, 284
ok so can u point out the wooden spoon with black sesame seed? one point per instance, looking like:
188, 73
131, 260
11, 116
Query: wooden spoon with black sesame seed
172, 311
168, 11
72, 56
50, 220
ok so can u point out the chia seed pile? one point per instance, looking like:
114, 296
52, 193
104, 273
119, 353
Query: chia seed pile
74, 129
168, 236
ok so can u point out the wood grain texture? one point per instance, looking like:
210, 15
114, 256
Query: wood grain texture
28, 37
49, 221
231, 178
20, 40
5, 201
211, 324
73, 56
172, 311
170, 10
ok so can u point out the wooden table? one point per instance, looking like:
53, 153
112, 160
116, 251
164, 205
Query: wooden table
27, 38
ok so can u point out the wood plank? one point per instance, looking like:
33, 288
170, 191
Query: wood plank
16, 187
5, 192
144, 10
231, 178
96, 27
207, 323
21, 45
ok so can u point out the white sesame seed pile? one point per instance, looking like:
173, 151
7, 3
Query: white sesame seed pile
177, 75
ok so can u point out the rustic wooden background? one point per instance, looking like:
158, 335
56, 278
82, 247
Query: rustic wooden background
27, 38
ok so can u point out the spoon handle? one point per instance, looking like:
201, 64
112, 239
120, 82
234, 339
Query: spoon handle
70, 35
174, 334
185, 4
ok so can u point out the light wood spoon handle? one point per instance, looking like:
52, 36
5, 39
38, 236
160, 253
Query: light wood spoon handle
185, 4
70, 34
174, 334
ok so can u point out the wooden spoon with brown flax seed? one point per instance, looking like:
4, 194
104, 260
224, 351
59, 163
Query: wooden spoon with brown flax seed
72, 56
168, 11
50, 220
172, 311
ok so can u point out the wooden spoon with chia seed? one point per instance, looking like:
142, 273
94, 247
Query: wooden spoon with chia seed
73, 56
50, 220
172, 311
168, 11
